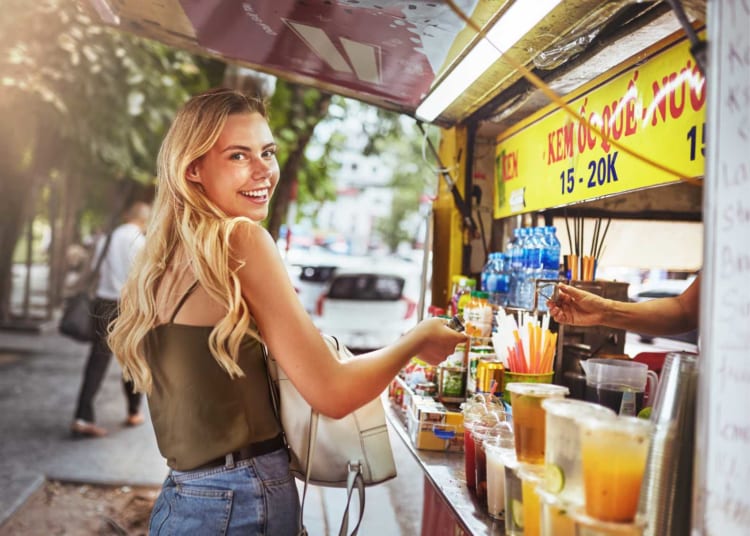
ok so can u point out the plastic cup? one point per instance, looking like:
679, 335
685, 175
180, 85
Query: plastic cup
513, 495
494, 451
469, 455
520, 377
562, 457
531, 479
588, 526
557, 519
613, 454
529, 419
480, 435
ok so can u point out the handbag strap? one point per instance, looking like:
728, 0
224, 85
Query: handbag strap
94, 274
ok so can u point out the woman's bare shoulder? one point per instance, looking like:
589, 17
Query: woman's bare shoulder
249, 237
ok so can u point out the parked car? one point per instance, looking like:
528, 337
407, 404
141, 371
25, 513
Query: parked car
366, 310
311, 283
664, 288
310, 270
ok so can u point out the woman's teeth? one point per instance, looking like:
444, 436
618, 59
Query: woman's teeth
256, 193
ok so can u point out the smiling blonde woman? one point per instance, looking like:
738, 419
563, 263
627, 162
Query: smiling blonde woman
207, 290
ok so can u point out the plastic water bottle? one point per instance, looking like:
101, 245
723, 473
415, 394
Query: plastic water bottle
515, 256
551, 257
532, 267
486, 272
501, 273
497, 279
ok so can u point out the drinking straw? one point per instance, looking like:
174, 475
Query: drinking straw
567, 228
601, 243
519, 348
549, 353
594, 244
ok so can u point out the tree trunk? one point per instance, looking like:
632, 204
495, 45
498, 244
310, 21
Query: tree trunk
310, 117
19, 189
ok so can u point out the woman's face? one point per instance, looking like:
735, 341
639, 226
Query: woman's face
240, 172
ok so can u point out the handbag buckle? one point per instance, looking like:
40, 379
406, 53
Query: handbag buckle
354, 465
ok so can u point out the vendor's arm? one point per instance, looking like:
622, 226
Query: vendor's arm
661, 316
330, 386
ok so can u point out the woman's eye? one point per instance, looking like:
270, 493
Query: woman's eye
237, 156
270, 153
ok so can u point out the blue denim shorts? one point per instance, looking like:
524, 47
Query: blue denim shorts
254, 497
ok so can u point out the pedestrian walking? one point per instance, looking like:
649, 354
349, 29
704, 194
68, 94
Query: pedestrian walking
126, 241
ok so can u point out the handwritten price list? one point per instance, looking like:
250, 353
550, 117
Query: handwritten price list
722, 506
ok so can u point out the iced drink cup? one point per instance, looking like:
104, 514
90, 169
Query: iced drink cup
562, 457
513, 495
613, 454
528, 418
469, 459
495, 451
531, 480
556, 516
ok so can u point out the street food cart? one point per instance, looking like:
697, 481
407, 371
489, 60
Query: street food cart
603, 109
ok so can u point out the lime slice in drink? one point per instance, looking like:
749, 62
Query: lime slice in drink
517, 507
554, 478
645, 413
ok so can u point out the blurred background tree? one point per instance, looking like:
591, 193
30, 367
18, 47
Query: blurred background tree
84, 109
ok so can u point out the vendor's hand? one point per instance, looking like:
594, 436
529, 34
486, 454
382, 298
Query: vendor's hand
577, 307
436, 340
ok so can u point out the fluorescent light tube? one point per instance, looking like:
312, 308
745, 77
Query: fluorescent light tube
520, 18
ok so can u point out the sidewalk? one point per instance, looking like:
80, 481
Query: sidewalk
39, 379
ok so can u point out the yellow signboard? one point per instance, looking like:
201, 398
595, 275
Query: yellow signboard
655, 109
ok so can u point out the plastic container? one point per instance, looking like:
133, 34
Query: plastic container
562, 455
557, 518
529, 418
461, 287
618, 384
520, 377
481, 436
588, 526
613, 456
496, 452
531, 480
513, 495
478, 315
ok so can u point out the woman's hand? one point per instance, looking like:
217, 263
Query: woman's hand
435, 340
577, 307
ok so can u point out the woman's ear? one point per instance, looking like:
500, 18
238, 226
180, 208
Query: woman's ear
192, 174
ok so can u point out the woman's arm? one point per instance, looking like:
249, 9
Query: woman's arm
661, 316
329, 386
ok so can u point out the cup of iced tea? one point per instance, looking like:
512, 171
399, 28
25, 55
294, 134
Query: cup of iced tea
613, 455
529, 419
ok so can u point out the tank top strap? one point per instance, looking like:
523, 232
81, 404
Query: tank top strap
182, 301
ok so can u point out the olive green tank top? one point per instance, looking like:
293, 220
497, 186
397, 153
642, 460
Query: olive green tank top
198, 412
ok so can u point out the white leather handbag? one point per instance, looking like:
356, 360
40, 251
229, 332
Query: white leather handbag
352, 452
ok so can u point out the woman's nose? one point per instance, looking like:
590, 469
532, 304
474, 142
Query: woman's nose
261, 169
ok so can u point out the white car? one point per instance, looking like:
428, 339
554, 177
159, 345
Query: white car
365, 310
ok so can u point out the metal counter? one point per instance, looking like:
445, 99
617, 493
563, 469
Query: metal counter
445, 472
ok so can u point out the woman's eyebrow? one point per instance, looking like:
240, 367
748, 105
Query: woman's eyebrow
246, 148
235, 148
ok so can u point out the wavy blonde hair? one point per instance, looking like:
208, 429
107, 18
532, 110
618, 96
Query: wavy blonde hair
184, 216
